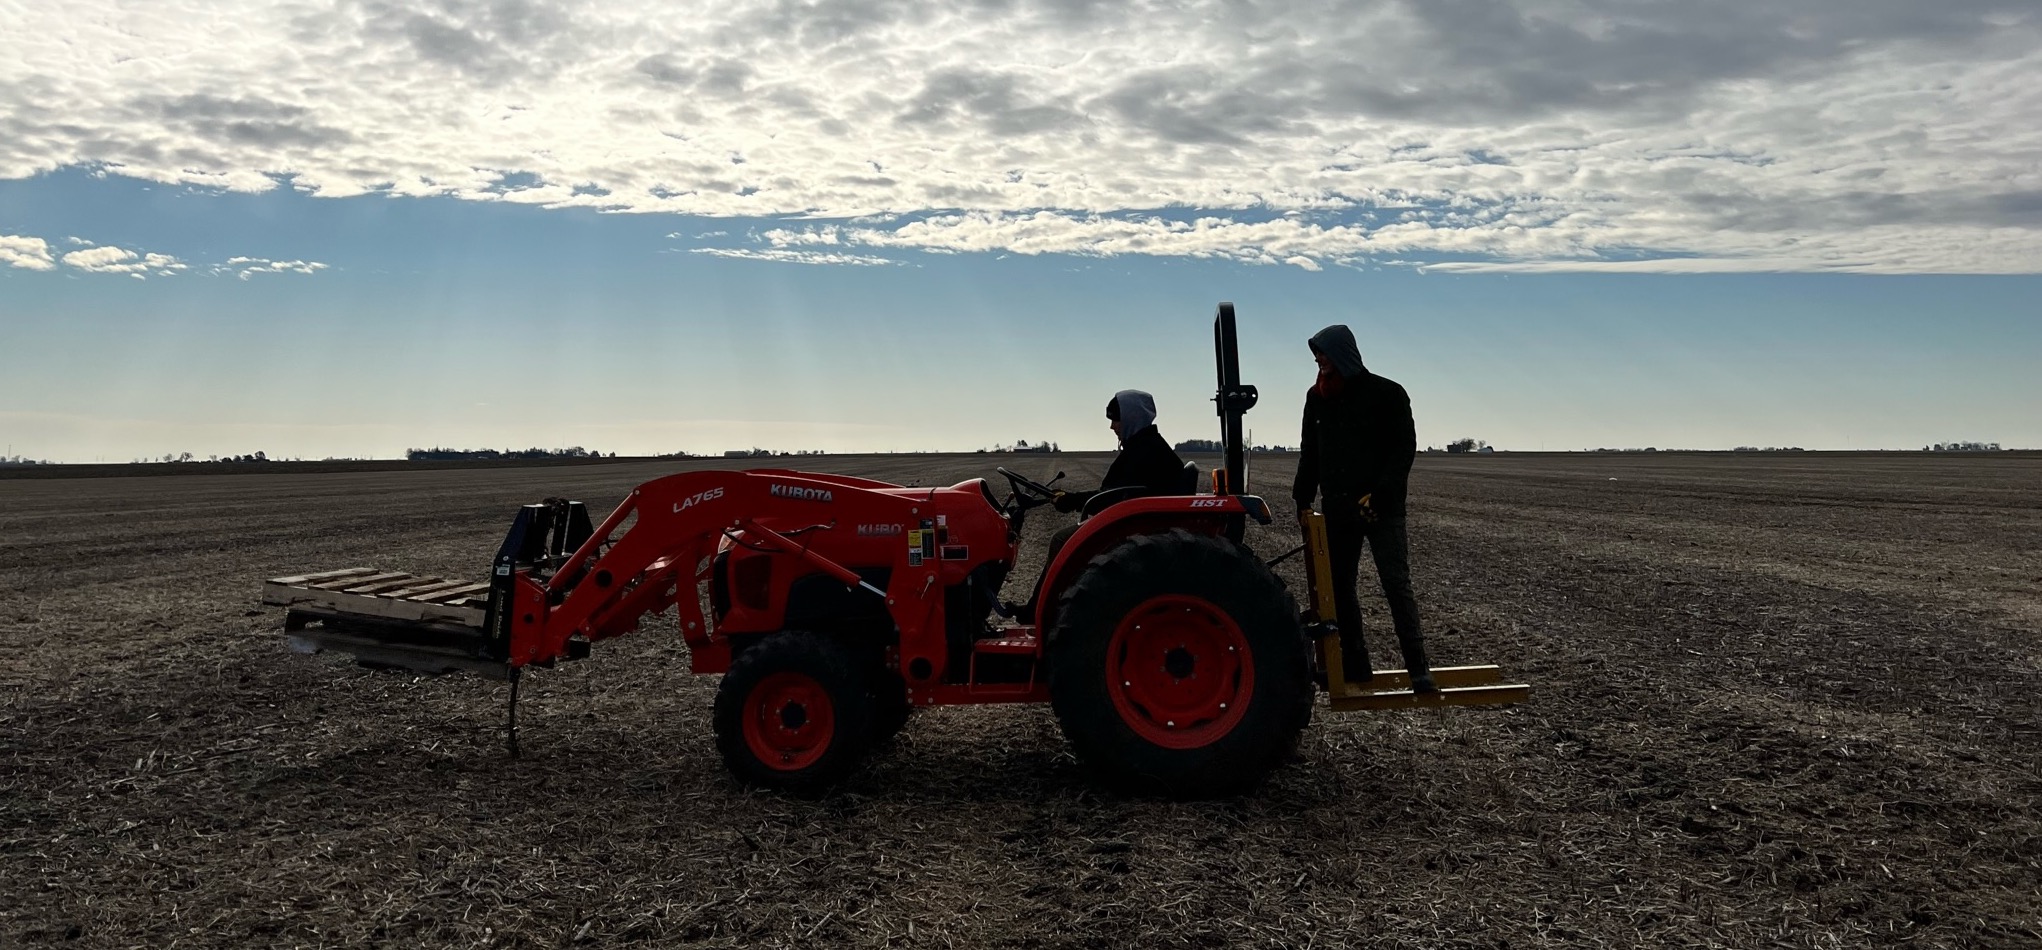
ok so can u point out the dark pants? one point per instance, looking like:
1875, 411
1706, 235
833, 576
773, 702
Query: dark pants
1389, 542
1056, 546
1061, 537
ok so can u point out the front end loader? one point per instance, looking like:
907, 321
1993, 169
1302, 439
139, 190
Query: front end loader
1174, 659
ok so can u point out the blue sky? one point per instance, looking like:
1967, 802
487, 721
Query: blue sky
346, 229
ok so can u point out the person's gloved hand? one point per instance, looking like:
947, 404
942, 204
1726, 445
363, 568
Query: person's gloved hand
1065, 501
1367, 509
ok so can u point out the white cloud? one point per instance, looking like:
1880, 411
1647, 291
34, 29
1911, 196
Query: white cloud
1660, 265
1878, 135
795, 257
29, 253
115, 260
33, 253
246, 267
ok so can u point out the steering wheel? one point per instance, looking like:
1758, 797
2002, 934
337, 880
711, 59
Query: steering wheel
1027, 492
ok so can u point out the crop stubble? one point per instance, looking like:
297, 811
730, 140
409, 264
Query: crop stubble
1778, 701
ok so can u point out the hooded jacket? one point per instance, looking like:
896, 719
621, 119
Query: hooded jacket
1145, 458
1359, 438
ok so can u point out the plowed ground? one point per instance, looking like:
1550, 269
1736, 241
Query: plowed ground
1778, 701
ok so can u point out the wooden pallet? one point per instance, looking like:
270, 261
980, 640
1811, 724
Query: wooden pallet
385, 595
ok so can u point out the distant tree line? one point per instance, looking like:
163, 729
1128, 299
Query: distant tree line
1213, 445
756, 453
1021, 445
1962, 447
437, 454
181, 457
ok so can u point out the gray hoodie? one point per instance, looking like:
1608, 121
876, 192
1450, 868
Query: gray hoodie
1137, 410
1337, 344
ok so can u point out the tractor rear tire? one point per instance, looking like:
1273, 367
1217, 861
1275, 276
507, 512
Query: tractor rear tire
795, 713
1178, 667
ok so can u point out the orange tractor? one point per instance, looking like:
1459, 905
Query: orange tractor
1175, 660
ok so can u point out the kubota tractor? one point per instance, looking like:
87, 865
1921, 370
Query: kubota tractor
1174, 659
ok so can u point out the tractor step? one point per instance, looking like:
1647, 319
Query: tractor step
1010, 645
1004, 665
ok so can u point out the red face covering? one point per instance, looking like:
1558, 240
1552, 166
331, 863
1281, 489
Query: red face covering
1329, 384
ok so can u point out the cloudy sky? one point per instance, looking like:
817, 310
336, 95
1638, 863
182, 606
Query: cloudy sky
348, 228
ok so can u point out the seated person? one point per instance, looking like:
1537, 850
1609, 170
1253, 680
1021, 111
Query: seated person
1146, 461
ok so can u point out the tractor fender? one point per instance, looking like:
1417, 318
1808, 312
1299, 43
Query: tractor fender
1220, 515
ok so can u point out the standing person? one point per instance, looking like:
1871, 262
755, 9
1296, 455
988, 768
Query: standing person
1146, 461
1357, 448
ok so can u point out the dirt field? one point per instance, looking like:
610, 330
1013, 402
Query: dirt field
1781, 701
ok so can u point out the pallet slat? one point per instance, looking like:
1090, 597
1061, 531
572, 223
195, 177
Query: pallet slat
400, 582
449, 596
370, 605
322, 576
1405, 699
426, 585
419, 658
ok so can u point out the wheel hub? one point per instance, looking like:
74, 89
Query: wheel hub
793, 716
1179, 671
789, 722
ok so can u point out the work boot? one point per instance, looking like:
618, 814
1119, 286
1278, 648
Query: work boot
1354, 665
1415, 663
1023, 613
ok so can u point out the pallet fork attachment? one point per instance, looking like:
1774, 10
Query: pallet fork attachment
1387, 689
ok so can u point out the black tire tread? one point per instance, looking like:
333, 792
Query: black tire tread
1232, 578
890, 707
840, 670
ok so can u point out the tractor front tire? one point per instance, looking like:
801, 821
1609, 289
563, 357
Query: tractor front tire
890, 706
795, 713
1178, 668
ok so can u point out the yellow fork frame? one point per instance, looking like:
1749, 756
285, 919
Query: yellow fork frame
1388, 689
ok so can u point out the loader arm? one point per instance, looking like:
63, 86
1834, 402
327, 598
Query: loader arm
655, 545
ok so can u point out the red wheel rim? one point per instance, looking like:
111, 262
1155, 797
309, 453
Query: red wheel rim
789, 721
1179, 671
